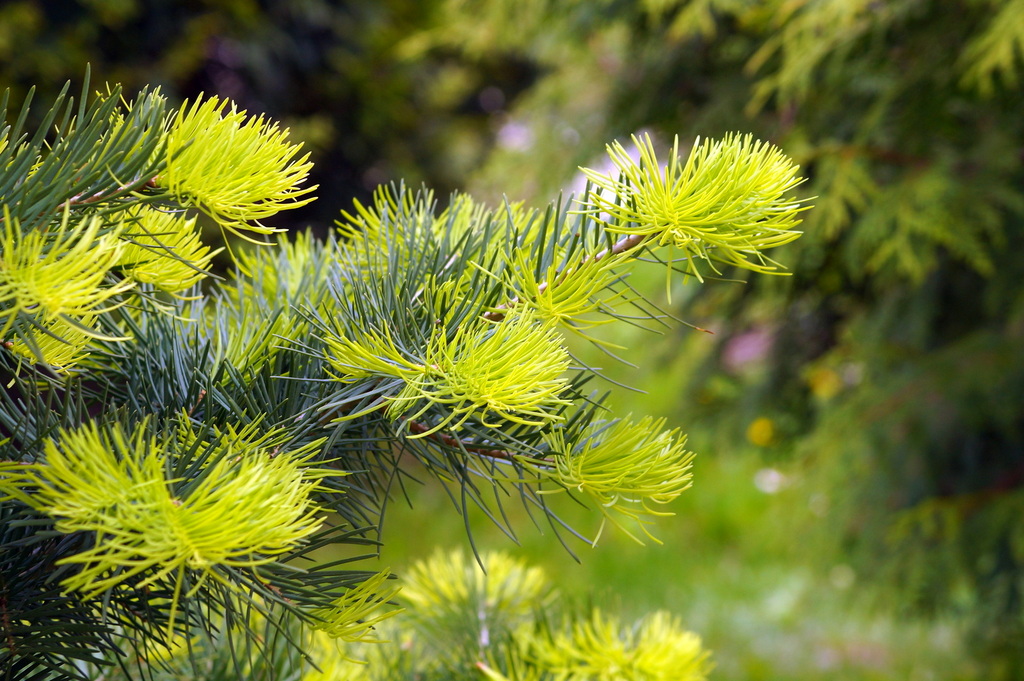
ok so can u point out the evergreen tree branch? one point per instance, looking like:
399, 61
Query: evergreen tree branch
181, 453
623, 245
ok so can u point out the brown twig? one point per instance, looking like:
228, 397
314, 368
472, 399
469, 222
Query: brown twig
452, 441
202, 394
78, 200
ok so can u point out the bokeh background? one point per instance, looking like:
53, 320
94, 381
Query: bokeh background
857, 505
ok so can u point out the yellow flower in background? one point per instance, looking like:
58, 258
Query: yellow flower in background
761, 432
824, 383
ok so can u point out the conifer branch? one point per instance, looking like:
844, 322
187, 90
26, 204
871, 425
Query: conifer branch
626, 243
463, 446
164, 443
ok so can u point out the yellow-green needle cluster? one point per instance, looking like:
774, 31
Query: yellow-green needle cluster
59, 273
353, 615
569, 293
247, 506
164, 249
601, 648
63, 342
625, 468
237, 169
512, 370
107, 212
727, 202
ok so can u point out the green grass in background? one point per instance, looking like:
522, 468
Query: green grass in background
727, 567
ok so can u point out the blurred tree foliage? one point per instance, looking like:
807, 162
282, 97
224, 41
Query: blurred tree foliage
330, 71
894, 368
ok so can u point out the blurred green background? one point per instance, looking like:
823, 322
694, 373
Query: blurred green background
860, 424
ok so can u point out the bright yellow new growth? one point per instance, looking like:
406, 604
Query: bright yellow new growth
448, 582
564, 293
658, 648
510, 370
624, 468
239, 170
61, 345
250, 505
353, 614
371, 354
727, 202
57, 272
163, 249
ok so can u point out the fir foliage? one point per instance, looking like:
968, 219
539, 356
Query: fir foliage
904, 114
502, 620
694, 206
485, 618
175, 456
237, 169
